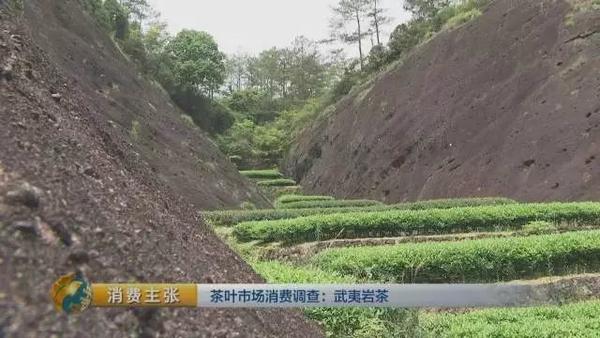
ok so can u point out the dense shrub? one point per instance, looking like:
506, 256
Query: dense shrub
407, 36
484, 260
285, 199
210, 115
189, 66
133, 45
97, 10
349, 79
232, 217
401, 222
257, 145
324, 204
269, 174
377, 58
455, 203
253, 103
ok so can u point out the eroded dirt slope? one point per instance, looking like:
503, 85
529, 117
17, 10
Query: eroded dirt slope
508, 104
136, 114
79, 191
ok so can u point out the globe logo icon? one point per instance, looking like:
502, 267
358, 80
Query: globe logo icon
71, 294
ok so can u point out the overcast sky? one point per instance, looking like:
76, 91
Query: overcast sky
251, 26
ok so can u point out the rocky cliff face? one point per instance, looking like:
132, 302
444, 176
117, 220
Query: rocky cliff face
508, 104
99, 173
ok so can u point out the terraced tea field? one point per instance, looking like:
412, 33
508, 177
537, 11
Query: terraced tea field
321, 239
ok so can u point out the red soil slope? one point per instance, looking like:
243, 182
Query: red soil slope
508, 104
79, 189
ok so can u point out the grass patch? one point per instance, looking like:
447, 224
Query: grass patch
233, 217
135, 131
573, 320
269, 174
402, 222
485, 260
324, 204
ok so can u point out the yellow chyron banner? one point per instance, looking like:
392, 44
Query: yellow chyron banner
144, 295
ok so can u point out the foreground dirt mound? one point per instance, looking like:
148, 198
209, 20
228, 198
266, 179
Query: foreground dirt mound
81, 189
508, 104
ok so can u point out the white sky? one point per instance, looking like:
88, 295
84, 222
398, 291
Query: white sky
250, 26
